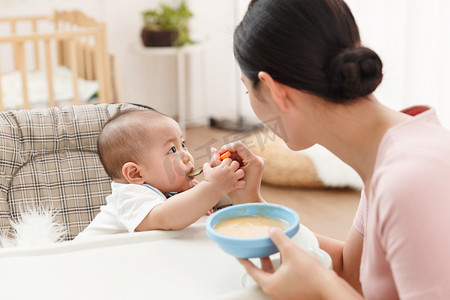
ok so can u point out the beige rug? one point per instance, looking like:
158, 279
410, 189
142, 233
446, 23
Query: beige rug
315, 167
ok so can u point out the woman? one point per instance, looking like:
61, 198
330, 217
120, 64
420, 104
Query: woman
302, 61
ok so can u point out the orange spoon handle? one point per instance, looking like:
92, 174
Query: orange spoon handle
225, 154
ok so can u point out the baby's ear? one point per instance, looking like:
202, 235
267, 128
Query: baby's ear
130, 171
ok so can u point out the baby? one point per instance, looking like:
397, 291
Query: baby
144, 153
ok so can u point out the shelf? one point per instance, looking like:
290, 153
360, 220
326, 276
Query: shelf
138, 48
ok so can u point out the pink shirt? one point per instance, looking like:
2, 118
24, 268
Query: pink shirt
406, 219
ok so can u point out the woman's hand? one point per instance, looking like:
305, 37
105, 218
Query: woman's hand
300, 275
253, 167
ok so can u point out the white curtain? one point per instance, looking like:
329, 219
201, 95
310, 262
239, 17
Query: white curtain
412, 38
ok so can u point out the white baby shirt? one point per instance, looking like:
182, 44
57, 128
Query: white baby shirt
125, 209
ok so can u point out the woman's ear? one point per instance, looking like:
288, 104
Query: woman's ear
277, 90
131, 172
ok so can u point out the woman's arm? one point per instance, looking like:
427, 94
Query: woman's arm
346, 256
346, 260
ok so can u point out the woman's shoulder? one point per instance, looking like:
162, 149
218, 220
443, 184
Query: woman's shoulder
418, 144
414, 165
412, 173
422, 129
413, 158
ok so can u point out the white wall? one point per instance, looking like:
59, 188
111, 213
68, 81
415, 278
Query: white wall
140, 78
413, 39
411, 36
152, 81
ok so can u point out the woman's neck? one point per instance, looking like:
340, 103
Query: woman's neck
354, 132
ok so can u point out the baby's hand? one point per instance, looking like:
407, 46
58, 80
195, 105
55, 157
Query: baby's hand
227, 176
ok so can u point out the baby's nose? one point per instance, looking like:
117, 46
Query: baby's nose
186, 158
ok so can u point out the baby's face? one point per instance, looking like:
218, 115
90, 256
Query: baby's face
167, 162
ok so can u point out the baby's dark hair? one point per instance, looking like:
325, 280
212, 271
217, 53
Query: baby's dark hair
121, 139
310, 45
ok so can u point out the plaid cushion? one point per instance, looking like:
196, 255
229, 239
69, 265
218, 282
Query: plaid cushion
49, 160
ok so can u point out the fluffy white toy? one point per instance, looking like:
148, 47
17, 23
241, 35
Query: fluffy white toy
332, 171
315, 167
34, 227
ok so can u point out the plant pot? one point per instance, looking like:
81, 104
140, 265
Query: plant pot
158, 38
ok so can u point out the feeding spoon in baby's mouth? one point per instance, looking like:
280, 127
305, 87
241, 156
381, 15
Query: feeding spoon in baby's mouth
195, 172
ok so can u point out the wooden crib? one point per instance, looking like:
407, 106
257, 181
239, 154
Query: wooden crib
66, 41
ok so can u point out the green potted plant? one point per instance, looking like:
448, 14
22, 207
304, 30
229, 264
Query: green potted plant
166, 26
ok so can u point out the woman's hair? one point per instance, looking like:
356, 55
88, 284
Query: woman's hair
310, 45
123, 139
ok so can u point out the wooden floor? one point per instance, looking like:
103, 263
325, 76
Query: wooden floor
325, 211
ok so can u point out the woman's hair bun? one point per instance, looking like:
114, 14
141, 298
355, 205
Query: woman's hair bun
354, 72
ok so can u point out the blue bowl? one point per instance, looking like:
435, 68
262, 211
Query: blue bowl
251, 247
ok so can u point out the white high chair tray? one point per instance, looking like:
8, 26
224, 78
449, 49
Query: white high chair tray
183, 264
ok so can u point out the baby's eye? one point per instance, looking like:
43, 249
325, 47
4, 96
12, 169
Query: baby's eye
183, 144
173, 150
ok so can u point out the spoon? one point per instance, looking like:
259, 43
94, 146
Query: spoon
195, 172
223, 155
